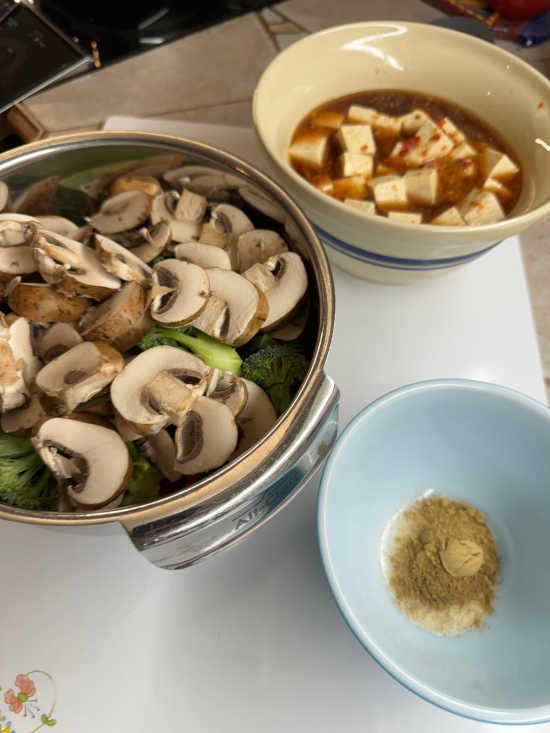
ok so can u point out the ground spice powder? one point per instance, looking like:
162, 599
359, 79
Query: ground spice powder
443, 565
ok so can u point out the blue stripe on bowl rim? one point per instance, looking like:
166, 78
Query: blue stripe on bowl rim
395, 263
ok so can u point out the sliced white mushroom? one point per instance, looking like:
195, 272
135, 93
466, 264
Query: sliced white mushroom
22, 344
5, 334
82, 234
236, 223
22, 218
119, 261
211, 182
203, 255
235, 310
57, 340
58, 225
16, 256
283, 280
213, 232
261, 203
258, 246
99, 465
38, 199
122, 212
146, 184
7, 287
160, 450
21, 421
43, 303
295, 327
190, 207
232, 391
257, 419
149, 401
13, 390
4, 196
76, 376
155, 166
206, 439
164, 209
148, 243
180, 292
72, 267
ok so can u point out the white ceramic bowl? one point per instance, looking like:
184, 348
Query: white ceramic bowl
507, 92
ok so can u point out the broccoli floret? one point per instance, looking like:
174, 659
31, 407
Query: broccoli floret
263, 340
278, 370
158, 258
144, 485
25, 481
212, 352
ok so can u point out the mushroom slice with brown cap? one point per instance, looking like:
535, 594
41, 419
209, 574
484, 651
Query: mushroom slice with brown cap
258, 246
58, 225
38, 199
203, 255
283, 279
13, 390
236, 223
206, 439
149, 243
146, 184
23, 345
235, 310
121, 320
57, 340
122, 212
180, 292
99, 465
232, 391
164, 209
257, 418
76, 376
72, 267
20, 422
43, 303
295, 327
119, 261
139, 395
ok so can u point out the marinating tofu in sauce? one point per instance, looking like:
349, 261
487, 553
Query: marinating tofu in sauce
410, 157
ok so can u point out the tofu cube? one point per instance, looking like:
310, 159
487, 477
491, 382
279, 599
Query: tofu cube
312, 151
407, 216
350, 188
462, 151
388, 192
429, 143
449, 218
481, 207
421, 185
356, 165
328, 119
451, 130
498, 188
356, 139
367, 207
498, 165
378, 121
412, 122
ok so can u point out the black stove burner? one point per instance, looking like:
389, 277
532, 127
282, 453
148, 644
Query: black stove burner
114, 30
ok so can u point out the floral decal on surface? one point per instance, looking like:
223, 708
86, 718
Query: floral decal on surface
23, 705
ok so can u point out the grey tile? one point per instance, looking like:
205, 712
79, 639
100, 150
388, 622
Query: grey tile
314, 15
236, 113
215, 67
284, 40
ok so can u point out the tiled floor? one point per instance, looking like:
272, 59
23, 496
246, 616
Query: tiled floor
211, 75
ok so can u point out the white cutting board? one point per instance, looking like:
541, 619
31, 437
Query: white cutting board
251, 640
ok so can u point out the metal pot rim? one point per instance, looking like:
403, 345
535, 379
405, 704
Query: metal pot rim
228, 484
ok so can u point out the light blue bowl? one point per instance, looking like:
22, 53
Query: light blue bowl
476, 442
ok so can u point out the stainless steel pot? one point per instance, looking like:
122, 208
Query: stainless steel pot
197, 522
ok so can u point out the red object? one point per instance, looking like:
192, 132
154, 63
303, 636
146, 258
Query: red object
519, 9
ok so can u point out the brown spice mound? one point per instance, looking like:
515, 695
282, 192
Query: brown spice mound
435, 533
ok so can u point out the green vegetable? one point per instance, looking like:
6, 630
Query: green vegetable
144, 485
25, 481
263, 340
212, 352
158, 258
279, 370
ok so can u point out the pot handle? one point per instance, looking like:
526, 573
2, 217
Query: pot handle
193, 535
